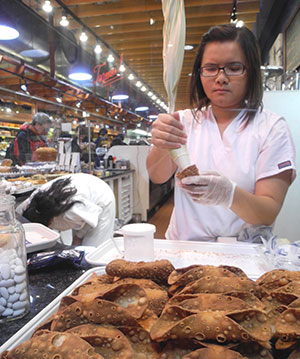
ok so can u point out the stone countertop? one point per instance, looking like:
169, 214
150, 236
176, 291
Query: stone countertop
45, 285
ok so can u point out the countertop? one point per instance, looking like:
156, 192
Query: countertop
45, 285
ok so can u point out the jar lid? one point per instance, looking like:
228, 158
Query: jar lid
136, 229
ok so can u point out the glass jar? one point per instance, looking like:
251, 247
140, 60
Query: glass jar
14, 294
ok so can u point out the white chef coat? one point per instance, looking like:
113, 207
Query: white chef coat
244, 154
93, 218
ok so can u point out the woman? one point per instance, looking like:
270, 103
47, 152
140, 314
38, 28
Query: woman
245, 154
81, 202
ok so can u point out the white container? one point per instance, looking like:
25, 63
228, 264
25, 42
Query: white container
139, 241
180, 157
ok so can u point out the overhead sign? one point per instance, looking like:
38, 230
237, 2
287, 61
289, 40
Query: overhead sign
106, 75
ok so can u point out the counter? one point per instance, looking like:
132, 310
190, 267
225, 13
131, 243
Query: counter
44, 286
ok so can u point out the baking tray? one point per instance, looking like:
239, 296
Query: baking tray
39, 237
26, 332
184, 253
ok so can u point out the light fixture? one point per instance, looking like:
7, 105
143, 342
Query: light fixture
154, 97
64, 20
79, 71
59, 99
130, 77
150, 93
144, 89
151, 21
122, 68
34, 53
158, 101
138, 84
119, 97
8, 30
188, 47
233, 17
24, 87
83, 36
47, 7
142, 108
110, 58
98, 49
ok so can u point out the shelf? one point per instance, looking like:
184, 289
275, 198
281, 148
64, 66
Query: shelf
10, 128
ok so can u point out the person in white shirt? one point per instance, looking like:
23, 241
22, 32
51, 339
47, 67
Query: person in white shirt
81, 202
245, 154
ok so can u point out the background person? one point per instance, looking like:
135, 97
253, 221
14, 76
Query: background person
245, 155
29, 138
81, 202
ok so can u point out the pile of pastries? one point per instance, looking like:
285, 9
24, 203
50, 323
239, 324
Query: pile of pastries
139, 310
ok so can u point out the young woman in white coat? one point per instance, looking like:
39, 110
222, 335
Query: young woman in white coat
245, 154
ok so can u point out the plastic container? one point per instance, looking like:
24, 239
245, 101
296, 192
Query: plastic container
14, 295
139, 241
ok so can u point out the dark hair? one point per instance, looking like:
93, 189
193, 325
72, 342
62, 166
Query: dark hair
250, 48
102, 132
51, 203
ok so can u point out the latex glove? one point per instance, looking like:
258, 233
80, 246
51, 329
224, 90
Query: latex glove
210, 188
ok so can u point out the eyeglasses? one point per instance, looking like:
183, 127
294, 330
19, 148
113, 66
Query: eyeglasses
232, 69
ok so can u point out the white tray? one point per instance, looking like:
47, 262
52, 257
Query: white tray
26, 332
39, 237
184, 253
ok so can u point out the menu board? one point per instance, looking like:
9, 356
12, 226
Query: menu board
292, 43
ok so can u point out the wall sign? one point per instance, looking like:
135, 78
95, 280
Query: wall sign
106, 75
292, 43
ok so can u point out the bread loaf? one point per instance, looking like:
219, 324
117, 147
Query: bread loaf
46, 154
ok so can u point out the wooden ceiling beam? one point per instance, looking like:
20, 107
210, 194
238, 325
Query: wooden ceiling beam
130, 6
138, 17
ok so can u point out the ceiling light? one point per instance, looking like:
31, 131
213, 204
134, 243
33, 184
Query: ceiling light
239, 23
34, 53
152, 21
122, 68
98, 49
138, 84
110, 58
80, 72
17, 112
130, 77
47, 7
83, 36
150, 93
154, 97
59, 99
120, 97
144, 88
8, 109
158, 101
7, 31
142, 108
64, 21
153, 117
188, 47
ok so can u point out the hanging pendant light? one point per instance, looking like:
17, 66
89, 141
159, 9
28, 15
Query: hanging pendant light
8, 30
80, 70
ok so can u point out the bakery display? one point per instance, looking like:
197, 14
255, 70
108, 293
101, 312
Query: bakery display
154, 311
46, 154
187, 172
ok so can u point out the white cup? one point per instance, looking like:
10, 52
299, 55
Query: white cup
138, 241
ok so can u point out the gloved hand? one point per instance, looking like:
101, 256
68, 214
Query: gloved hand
210, 188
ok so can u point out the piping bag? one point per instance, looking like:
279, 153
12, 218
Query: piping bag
173, 53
